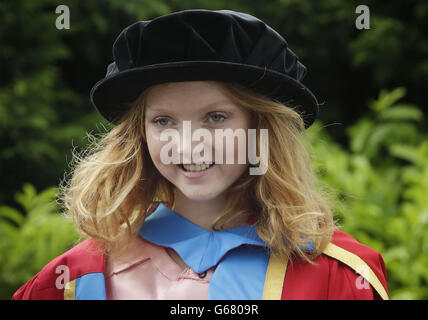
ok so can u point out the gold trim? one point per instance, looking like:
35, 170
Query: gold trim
357, 264
70, 290
275, 276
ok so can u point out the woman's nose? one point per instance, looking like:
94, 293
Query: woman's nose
193, 141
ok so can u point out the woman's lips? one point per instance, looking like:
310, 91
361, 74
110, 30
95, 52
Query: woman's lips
195, 174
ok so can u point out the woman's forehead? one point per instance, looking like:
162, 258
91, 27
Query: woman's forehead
192, 95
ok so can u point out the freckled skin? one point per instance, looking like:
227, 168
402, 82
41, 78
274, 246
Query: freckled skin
188, 100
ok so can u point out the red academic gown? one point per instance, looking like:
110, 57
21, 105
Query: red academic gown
331, 277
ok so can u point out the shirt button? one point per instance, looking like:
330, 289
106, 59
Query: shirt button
202, 275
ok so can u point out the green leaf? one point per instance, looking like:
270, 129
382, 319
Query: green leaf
12, 214
402, 112
359, 134
405, 152
386, 99
26, 197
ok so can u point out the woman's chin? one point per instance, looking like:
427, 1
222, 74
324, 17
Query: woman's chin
199, 195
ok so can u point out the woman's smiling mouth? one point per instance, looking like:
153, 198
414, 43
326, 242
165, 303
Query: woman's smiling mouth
193, 171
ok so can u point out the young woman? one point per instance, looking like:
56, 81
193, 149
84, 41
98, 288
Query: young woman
203, 188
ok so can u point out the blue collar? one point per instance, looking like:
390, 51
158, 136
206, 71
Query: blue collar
199, 248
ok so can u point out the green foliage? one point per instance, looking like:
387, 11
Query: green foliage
40, 114
30, 239
380, 188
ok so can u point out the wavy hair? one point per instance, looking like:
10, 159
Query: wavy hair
114, 184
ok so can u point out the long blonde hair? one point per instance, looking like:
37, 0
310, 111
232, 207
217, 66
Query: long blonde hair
114, 184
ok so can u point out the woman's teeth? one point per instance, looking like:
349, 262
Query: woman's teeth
199, 167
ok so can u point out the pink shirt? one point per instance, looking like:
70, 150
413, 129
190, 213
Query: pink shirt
146, 271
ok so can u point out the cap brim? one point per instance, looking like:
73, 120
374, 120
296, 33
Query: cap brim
113, 95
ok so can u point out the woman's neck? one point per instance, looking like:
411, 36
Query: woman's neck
204, 213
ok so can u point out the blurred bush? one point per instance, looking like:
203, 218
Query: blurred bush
380, 188
31, 238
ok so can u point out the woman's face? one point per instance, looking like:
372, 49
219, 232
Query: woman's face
206, 106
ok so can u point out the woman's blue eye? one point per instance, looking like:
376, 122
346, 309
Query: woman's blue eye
163, 122
217, 117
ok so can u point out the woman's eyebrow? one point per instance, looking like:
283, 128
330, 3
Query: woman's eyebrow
208, 106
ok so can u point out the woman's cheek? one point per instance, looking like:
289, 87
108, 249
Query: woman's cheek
154, 145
